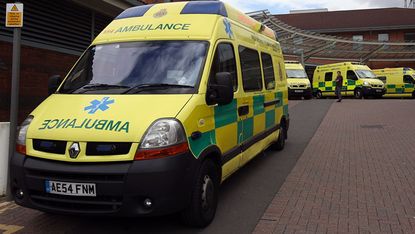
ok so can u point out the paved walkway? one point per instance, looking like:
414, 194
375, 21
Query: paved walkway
357, 175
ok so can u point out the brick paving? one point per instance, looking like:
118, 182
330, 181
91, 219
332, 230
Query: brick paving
357, 175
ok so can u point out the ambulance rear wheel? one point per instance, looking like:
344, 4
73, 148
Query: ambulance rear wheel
280, 144
319, 95
204, 200
413, 95
358, 94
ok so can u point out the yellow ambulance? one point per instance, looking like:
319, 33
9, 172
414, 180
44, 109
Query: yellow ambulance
399, 81
167, 102
358, 81
297, 80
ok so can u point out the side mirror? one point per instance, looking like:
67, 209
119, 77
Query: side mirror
53, 83
220, 91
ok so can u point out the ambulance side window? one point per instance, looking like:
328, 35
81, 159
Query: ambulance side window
251, 69
382, 78
268, 70
224, 61
407, 79
328, 76
351, 75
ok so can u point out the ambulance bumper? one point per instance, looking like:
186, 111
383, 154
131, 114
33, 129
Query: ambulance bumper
299, 92
369, 91
122, 188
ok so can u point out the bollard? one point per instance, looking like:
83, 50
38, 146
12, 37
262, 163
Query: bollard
4, 156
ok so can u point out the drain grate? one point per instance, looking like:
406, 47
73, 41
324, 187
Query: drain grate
377, 126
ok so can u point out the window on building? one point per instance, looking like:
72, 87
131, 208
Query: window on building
383, 37
357, 38
224, 61
407, 79
409, 37
351, 75
251, 69
328, 76
268, 70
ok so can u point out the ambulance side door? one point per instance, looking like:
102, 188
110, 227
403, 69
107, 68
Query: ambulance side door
226, 116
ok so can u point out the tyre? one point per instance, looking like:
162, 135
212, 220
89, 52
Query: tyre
280, 144
308, 97
204, 200
358, 94
413, 95
319, 95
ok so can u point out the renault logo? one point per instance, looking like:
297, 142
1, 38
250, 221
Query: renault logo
74, 150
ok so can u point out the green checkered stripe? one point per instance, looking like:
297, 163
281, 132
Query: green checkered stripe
228, 114
394, 89
331, 86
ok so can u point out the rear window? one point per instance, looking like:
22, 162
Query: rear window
268, 70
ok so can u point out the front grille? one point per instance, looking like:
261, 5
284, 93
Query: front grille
99, 204
72, 177
377, 86
92, 148
107, 148
49, 146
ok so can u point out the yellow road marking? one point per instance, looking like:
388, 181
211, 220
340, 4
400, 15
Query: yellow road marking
9, 229
7, 206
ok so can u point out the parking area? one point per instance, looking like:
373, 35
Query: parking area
347, 167
357, 174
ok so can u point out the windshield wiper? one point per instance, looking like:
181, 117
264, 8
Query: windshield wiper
141, 87
99, 86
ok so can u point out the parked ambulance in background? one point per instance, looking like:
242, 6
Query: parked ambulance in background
399, 81
298, 83
168, 101
358, 81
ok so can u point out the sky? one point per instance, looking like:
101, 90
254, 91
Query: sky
284, 6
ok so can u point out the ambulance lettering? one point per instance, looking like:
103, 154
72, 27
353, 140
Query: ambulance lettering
97, 124
151, 27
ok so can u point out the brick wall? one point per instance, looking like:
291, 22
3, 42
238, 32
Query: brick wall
37, 65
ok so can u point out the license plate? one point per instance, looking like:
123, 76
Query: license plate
70, 189
298, 91
378, 90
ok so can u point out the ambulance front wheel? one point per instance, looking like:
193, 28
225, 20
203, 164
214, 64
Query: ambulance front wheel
204, 200
358, 94
413, 95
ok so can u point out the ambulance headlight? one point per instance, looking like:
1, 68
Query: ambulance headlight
164, 138
366, 83
22, 131
163, 133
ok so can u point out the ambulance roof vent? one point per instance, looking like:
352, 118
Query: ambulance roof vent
205, 7
137, 11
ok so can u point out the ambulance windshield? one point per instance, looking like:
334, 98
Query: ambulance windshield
366, 74
296, 73
158, 66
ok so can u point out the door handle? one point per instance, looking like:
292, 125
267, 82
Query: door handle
243, 110
272, 103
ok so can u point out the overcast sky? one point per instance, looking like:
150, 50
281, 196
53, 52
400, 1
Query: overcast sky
284, 6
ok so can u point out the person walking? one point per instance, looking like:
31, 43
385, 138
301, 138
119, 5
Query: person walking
339, 86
